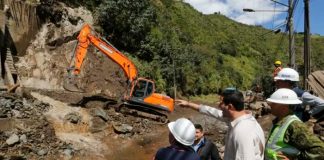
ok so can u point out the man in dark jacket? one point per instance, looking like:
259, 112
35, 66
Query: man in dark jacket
203, 146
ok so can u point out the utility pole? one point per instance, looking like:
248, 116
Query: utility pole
292, 57
306, 45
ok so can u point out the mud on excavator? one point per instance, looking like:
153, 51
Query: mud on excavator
140, 98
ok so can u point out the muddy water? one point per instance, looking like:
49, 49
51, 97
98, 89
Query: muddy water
77, 134
140, 148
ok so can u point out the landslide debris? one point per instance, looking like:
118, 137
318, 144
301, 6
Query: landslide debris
25, 132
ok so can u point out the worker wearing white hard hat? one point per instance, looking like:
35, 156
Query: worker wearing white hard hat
183, 131
181, 137
288, 78
289, 137
288, 74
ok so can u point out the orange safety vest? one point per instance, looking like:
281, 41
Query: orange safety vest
276, 71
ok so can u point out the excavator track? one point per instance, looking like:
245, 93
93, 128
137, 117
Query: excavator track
128, 108
143, 112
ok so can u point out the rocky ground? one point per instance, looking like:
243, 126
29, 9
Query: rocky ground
24, 130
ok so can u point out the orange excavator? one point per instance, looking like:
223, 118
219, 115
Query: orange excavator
140, 94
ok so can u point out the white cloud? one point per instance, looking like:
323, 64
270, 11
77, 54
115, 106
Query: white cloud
209, 6
234, 9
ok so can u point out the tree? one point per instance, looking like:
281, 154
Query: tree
126, 22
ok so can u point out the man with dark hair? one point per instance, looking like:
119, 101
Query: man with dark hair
203, 146
245, 138
235, 99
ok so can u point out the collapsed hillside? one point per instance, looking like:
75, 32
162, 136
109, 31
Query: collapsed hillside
44, 66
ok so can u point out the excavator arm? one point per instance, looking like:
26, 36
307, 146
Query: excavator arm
85, 38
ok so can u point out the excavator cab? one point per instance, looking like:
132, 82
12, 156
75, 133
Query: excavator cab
142, 88
143, 93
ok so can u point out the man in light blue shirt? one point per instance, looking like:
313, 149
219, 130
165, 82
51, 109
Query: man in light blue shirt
203, 146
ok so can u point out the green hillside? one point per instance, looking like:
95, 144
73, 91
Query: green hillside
204, 52
229, 53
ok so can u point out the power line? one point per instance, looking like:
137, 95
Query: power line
301, 11
279, 45
274, 10
279, 3
291, 14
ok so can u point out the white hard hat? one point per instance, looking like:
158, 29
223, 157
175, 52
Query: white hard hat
284, 96
249, 93
287, 74
183, 131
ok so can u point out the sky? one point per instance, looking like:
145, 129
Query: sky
271, 19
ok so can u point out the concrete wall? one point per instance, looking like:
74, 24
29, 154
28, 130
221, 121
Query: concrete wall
23, 25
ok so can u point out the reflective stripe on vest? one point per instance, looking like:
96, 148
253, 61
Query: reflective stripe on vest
276, 142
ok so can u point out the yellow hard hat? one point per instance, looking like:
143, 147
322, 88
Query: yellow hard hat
278, 62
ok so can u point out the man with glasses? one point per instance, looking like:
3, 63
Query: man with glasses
245, 138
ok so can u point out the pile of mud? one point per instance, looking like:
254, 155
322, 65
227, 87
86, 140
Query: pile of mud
25, 132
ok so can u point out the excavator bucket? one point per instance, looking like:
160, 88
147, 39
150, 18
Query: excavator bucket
69, 84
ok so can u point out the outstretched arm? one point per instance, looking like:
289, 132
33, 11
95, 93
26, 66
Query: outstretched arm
210, 111
184, 103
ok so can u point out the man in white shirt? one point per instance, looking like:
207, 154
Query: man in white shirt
245, 138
